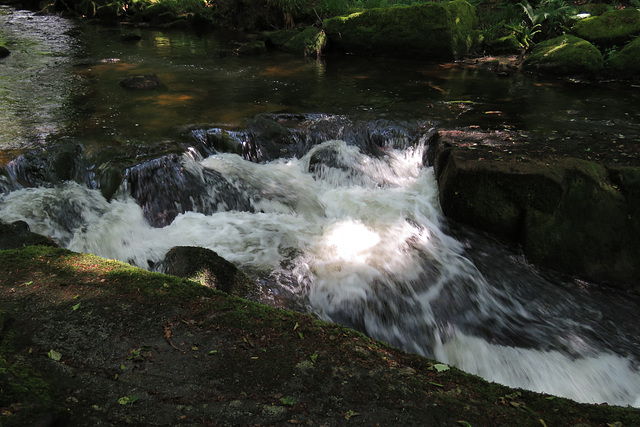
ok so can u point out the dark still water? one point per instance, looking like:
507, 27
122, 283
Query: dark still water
310, 176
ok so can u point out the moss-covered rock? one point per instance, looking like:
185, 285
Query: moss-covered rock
430, 31
610, 28
573, 215
309, 42
209, 269
566, 54
627, 61
504, 45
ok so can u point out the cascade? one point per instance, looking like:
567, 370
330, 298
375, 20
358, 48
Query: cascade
357, 237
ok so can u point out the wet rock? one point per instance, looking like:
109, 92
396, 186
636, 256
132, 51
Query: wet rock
41, 167
18, 235
207, 267
430, 30
563, 55
131, 37
166, 187
252, 49
148, 81
576, 216
4, 52
615, 27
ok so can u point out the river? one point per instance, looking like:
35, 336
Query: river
309, 175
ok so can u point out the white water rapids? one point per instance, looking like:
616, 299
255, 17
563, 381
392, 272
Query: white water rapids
365, 244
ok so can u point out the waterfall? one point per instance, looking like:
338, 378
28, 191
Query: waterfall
358, 238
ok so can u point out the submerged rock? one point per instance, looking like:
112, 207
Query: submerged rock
209, 269
148, 81
429, 31
254, 48
566, 54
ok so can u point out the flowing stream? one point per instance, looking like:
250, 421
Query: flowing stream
322, 192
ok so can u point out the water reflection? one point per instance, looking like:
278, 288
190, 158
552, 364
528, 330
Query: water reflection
36, 83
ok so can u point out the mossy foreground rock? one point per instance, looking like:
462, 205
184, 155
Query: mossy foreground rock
86, 341
428, 31
209, 269
566, 54
573, 215
615, 27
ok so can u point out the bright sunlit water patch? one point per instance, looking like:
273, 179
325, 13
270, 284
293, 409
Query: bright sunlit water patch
351, 240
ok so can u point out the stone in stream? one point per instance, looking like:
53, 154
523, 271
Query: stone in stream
148, 81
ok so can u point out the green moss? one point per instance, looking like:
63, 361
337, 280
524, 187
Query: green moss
627, 61
610, 28
430, 30
566, 54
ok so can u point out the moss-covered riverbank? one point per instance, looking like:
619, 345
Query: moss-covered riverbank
89, 341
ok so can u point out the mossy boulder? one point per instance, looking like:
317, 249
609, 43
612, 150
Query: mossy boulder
309, 42
276, 39
428, 31
504, 45
566, 54
209, 269
627, 61
615, 27
572, 215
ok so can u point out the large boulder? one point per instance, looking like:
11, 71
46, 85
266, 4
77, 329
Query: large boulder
626, 62
209, 269
570, 214
615, 27
428, 31
566, 54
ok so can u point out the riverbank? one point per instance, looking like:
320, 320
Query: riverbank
89, 341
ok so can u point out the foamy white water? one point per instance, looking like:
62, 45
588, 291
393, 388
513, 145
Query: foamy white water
361, 241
